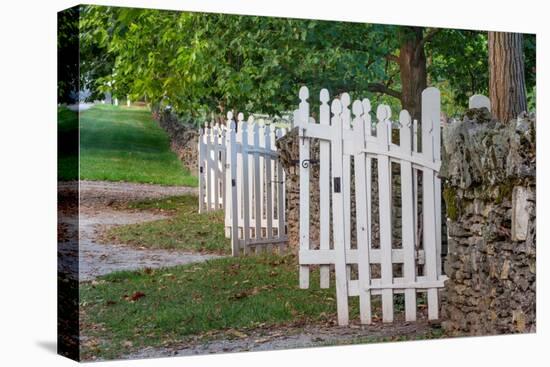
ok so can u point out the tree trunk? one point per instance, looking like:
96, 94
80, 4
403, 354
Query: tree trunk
506, 75
412, 65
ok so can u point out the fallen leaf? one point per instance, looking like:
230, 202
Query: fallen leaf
237, 333
137, 295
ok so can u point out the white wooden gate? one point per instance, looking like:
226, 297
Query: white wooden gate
212, 162
238, 163
341, 141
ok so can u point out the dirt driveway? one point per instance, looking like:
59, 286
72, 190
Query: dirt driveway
98, 202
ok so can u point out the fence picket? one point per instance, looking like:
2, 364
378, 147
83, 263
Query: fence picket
384, 189
245, 184
208, 167
324, 188
215, 166
302, 121
262, 183
232, 149
346, 177
430, 121
362, 228
256, 177
339, 217
407, 215
202, 152
281, 197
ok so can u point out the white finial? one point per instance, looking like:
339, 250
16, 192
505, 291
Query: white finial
230, 116
388, 112
304, 93
336, 107
405, 118
366, 105
357, 108
250, 119
345, 99
324, 96
240, 117
381, 112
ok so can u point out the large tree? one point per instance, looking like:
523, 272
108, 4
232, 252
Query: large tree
507, 90
204, 64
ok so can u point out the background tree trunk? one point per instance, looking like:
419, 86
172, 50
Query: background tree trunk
506, 75
412, 65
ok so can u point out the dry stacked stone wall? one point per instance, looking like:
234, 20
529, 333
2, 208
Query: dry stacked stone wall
489, 187
184, 138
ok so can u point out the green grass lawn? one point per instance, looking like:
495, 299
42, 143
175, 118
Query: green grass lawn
125, 311
126, 144
197, 298
186, 229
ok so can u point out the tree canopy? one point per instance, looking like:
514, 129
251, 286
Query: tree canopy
204, 64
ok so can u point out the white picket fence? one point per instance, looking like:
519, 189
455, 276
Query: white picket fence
238, 163
212, 163
341, 140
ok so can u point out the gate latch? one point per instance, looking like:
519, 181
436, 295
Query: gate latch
337, 184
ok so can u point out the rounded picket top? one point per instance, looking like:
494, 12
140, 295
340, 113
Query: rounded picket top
357, 108
345, 99
388, 111
304, 93
324, 96
336, 107
230, 115
381, 113
366, 105
430, 91
240, 116
250, 119
405, 118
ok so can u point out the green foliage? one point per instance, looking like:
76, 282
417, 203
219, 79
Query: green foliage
126, 144
459, 67
67, 54
203, 64
214, 62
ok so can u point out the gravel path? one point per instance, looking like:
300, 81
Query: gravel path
97, 193
99, 258
93, 259
289, 338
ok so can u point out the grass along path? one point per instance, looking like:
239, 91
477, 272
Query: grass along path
126, 144
246, 298
185, 230
126, 311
